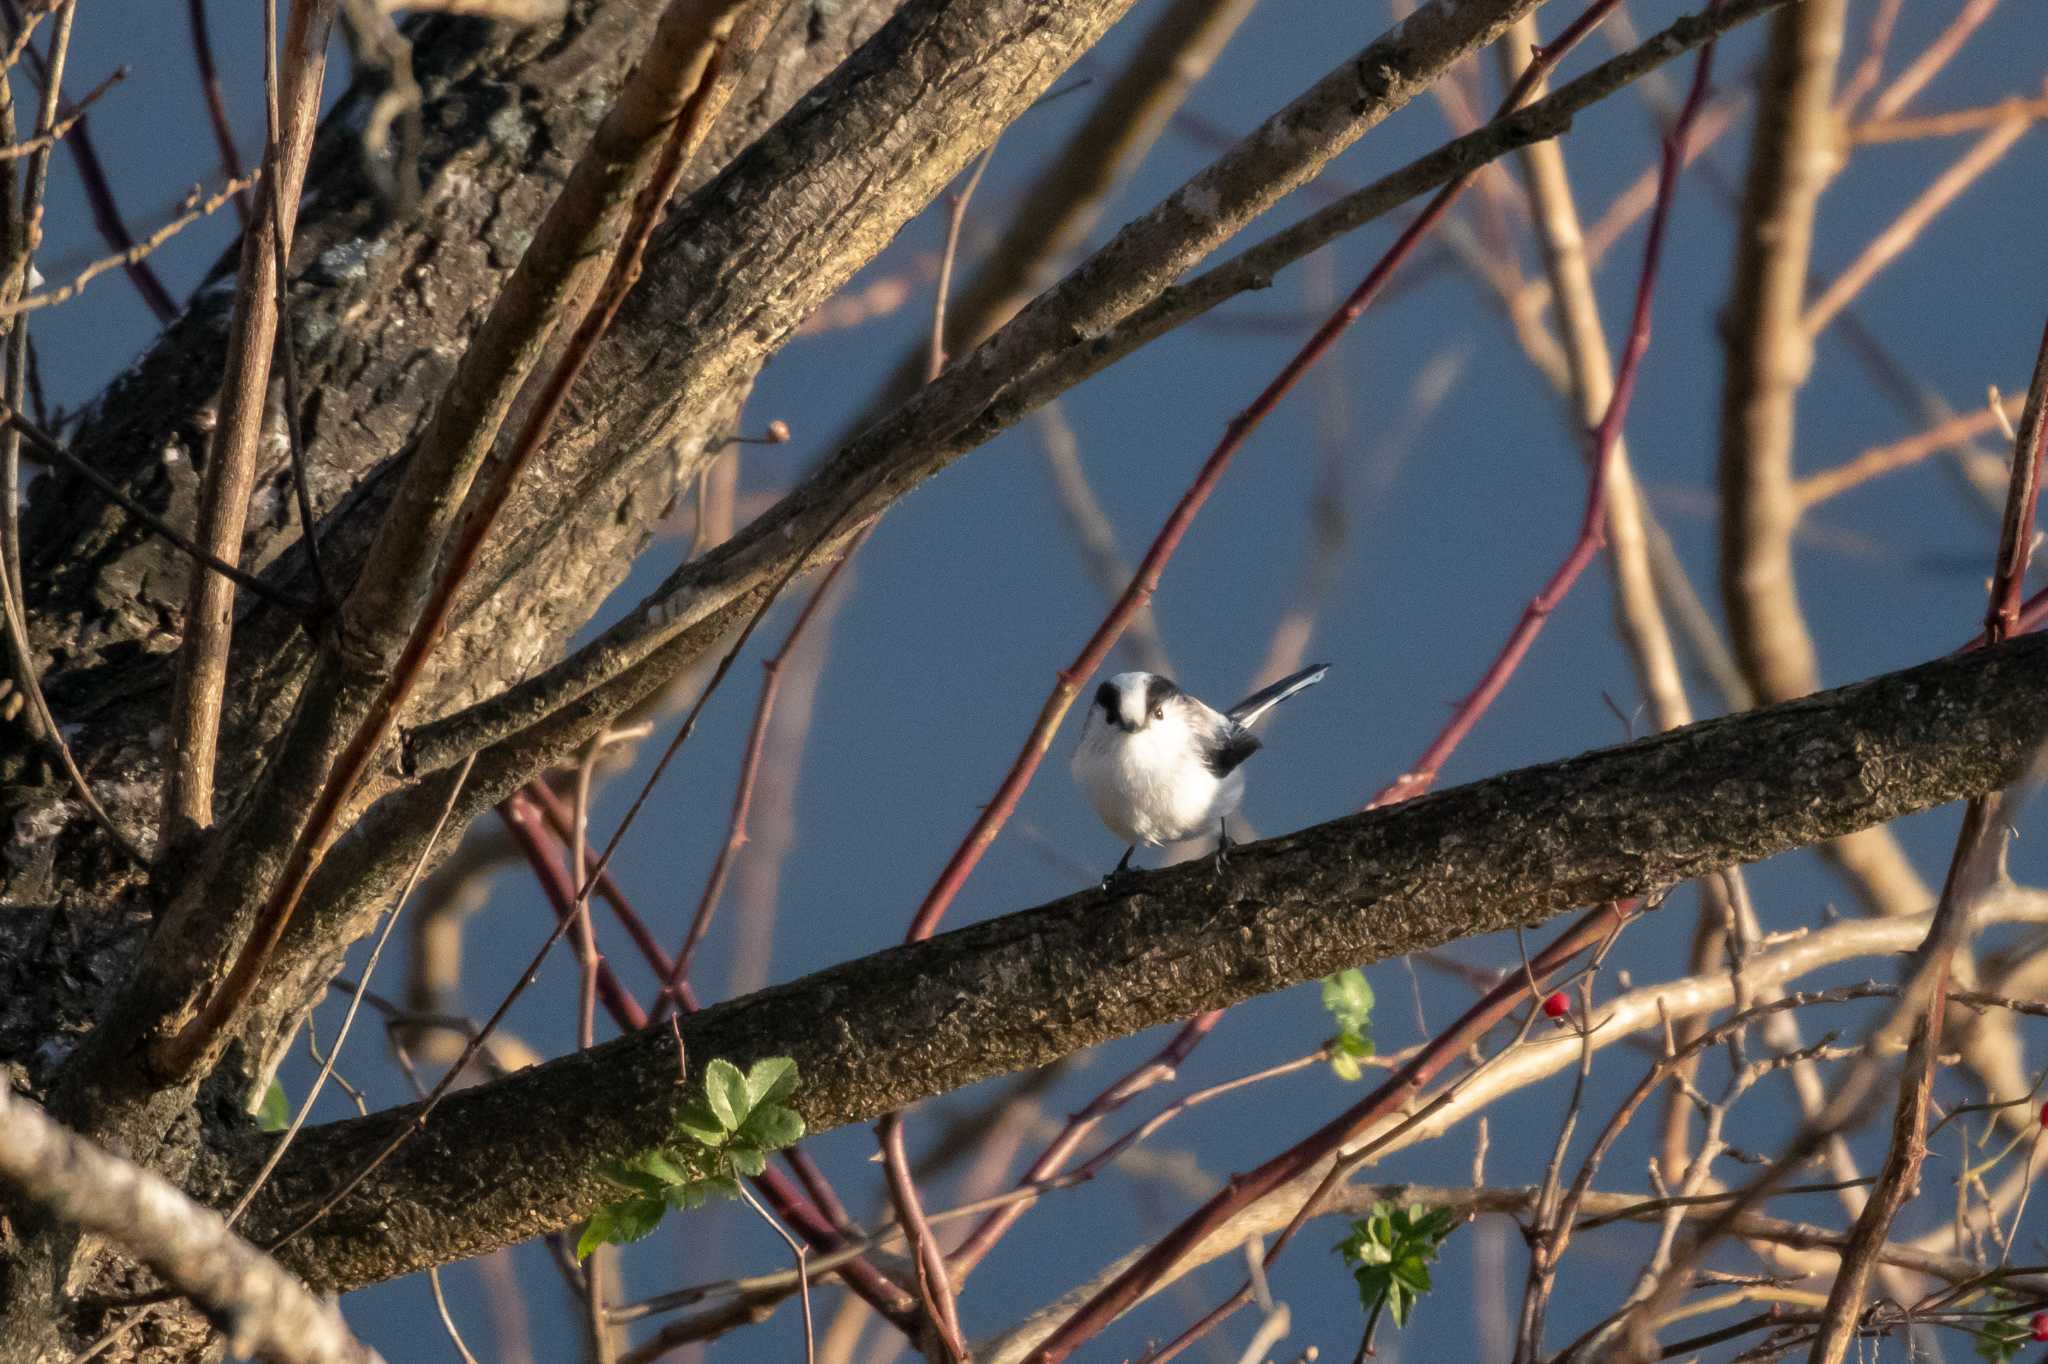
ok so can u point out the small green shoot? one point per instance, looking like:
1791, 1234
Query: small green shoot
274, 1114
1349, 1001
722, 1138
1389, 1252
2000, 1339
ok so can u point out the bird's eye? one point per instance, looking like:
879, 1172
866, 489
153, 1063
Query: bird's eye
1159, 712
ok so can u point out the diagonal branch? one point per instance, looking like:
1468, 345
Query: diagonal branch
1022, 990
266, 1310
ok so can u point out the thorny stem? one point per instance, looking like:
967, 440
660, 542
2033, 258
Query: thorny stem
1592, 526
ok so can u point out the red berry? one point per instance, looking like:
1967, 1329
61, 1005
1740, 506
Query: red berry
2040, 1325
2044, 1115
1557, 1006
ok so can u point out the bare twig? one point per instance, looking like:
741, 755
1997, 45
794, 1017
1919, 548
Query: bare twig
1932, 58
355, 1003
51, 450
1889, 244
232, 453
1879, 460
1950, 124
44, 140
23, 236
934, 1284
135, 252
99, 192
216, 105
1601, 442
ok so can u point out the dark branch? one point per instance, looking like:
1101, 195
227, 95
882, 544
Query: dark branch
509, 1160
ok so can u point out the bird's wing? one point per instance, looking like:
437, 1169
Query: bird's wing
1228, 747
1259, 702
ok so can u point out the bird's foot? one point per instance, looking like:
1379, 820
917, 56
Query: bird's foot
1224, 843
1122, 872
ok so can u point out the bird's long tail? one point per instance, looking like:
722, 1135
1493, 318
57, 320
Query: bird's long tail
1264, 699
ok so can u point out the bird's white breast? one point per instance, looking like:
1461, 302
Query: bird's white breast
1152, 786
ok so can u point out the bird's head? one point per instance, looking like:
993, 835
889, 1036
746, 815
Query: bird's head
1131, 701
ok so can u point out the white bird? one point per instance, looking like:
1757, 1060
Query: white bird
1160, 766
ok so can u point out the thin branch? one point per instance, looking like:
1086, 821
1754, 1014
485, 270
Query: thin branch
677, 977
1950, 124
1601, 445
935, 1286
1094, 534
1880, 460
216, 104
135, 252
24, 236
1889, 244
51, 450
2016, 534
231, 458
355, 1002
44, 140
1932, 58
99, 193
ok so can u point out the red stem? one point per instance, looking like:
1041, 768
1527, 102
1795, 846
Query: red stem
561, 821
1158, 1070
1592, 537
934, 1286
523, 818
2016, 537
216, 106
677, 976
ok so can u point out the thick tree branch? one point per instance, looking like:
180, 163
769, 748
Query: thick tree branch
511, 1159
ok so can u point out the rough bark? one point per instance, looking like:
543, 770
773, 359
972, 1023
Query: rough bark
523, 1155
382, 306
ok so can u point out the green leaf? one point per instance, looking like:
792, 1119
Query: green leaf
620, 1223
639, 1181
696, 1121
1390, 1251
726, 1089
748, 1161
772, 1127
1349, 1001
2001, 1339
770, 1080
274, 1114
1346, 1068
658, 1165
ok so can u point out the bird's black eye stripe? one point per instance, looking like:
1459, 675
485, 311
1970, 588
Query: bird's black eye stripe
1105, 697
1157, 690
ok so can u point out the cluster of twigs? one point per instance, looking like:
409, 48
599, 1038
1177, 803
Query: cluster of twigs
359, 747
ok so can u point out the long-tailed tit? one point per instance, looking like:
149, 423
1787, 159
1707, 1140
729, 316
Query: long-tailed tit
1161, 766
